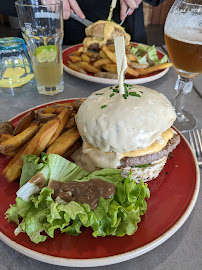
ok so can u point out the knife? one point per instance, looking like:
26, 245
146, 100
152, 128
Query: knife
83, 21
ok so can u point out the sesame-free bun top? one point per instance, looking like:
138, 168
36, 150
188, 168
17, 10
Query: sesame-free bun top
113, 123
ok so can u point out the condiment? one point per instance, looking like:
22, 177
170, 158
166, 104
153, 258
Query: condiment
39, 180
88, 192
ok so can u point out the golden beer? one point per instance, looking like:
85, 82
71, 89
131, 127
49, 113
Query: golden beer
185, 56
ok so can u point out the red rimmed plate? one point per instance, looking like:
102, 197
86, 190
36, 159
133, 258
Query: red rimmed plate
89, 77
173, 196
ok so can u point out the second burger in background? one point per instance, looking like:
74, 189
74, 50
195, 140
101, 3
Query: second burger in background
131, 131
103, 33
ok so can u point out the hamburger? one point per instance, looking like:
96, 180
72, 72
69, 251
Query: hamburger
131, 132
103, 32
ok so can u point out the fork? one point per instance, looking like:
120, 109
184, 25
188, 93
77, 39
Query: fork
195, 137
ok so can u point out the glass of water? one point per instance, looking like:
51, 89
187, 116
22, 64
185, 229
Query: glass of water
41, 22
16, 73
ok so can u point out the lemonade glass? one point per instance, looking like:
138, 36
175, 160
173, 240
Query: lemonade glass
41, 23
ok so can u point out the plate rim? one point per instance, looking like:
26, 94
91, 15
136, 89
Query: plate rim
112, 81
94, 262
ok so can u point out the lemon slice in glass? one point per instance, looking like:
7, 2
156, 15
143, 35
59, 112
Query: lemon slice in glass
46, 53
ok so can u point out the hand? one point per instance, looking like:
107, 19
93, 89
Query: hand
69, 6
125, 4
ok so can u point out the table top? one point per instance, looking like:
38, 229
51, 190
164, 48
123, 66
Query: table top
183, 250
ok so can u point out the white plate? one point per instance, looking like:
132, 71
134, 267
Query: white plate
85, 77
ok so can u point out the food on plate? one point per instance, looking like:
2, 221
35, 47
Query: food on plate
47, 131
97, 56
63, 117
103, 33
142, 60
64, 142
5, 136
57, 194
35, 146
131, 131
20, 139
24, 122
6, 128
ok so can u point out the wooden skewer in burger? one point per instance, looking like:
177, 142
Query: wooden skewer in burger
127, 127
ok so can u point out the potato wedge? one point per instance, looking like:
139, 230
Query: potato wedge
11, 154
110, 68
88, 67
69, 105
17, 141
137, 65
64, 142
77, 53
4, 137
70, 123
154, 68
111, 47
131, 57
77, 103
73, 148
6, 128
45, 117
24, 122
110, 55
80, 49
91, 54
102, 62
85, 58
102, 54
75, 58
132, 72
107, 75
63, 117
51, 109
76, 68
35, 146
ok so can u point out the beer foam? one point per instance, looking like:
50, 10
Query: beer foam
184, 27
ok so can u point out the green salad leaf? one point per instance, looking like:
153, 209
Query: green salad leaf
142, 51
31, 165
116, 216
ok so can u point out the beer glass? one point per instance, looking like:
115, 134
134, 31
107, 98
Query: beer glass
41, 22
183, 38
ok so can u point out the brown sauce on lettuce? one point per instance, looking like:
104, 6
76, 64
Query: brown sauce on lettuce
88, 192
39, 180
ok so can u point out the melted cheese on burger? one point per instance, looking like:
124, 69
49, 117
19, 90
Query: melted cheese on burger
109, 27
91, 158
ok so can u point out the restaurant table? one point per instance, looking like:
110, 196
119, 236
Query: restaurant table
183, 251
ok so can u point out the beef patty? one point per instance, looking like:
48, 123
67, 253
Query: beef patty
135, 161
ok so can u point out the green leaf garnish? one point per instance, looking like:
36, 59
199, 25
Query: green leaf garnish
134, 94
103, 106
99, 94
112, 95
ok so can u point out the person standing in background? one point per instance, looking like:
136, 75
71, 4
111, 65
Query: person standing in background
94, 10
